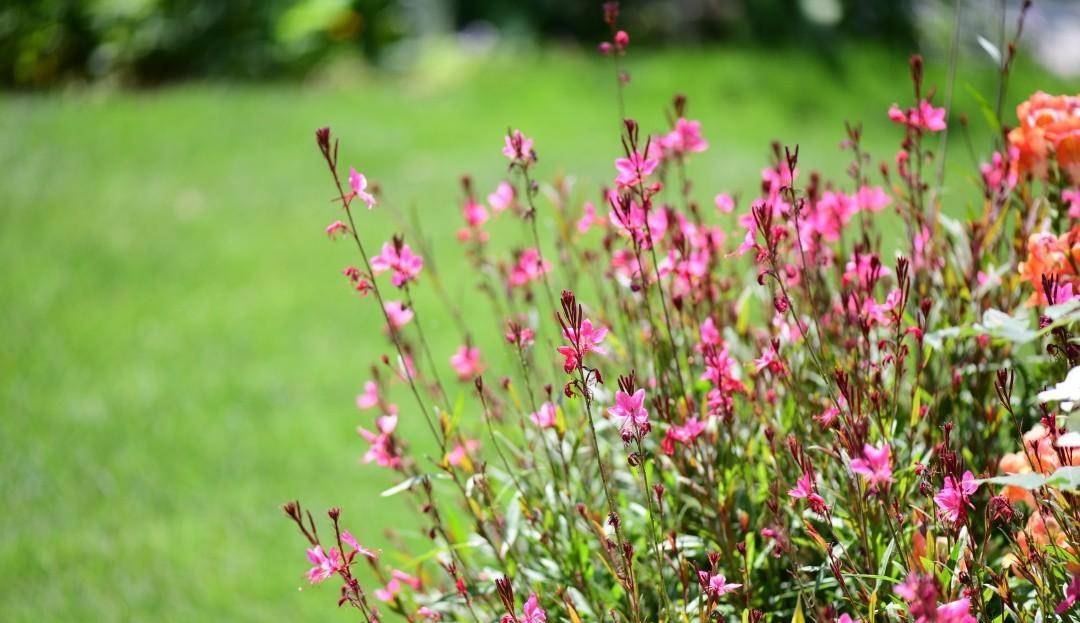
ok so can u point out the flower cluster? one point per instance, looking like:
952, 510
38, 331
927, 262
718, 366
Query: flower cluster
821, 388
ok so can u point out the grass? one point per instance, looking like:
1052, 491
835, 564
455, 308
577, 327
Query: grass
180, 353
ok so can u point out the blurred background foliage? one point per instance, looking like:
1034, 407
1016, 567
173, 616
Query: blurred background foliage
45, 42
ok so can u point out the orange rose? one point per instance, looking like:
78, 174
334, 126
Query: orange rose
1048, 123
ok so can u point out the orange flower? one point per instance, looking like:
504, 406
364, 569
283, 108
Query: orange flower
1050, 255
1016, 463
1048, 123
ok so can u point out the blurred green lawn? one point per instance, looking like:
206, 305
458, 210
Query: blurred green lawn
180, 353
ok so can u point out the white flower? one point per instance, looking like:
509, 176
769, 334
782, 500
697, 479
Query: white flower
1067, 391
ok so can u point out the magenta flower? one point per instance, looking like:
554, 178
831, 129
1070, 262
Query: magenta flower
805, 489
634, 170
724, 203
1072, 594
323, 565
370, 397
582, 342
398, 314
383, 451
358, 184
532, 612
715, 585
631, 408
502, 198
530, 267
958, 611
466, 362
399, 258
872, 198
875, 465
685, 433
546, 416
335, 229
955, 497
924, 117
475, 214
685, 138
519, 148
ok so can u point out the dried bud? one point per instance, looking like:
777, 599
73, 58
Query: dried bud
611, 13
322, 139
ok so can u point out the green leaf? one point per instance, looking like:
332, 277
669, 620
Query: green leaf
985, 107
998, 324
1032, 480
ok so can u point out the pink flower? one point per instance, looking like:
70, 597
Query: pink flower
876, 464
724, 203
921, 593
1072, 197
631, 408
872, 198
958, 611
955, 497
805, 489
770, 359
460, 453
383, 451
582, 342
519, 148
846, 618
466, 362
398, 257
715, 585
827, 417
427, 613
685, 138
522, 337
530, 267
370, 397
924, 117
589, 218
684, 434
622, 39
335, 229
546, 416
323, 565
397, 314
474, 213
358, 184
393, 587
502, 198
350, 540
1002, 173
633, 170
531, 612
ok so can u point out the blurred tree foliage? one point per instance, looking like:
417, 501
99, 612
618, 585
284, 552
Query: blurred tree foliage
43, 42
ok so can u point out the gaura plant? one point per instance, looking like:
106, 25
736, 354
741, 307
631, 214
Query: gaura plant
783, 421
